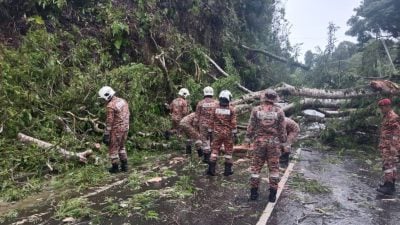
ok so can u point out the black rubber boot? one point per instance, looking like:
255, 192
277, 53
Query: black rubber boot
188, 148
211, 168
200, 152
272, 195
284, 160
228, 169
253, 194
114, 168
388, 188
167, 135
124, 165
206, 158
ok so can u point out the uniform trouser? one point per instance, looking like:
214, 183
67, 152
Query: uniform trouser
191, 133
205, 139
389, 160
270, 152
219, 139
117, 149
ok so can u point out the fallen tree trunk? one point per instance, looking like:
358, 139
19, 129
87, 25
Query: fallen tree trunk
286, 89
82, 156
241, 87
278, 58
307, 103
375, 87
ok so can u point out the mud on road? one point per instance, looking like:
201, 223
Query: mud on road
341, 191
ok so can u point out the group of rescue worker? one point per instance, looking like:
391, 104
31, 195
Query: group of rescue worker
212, 128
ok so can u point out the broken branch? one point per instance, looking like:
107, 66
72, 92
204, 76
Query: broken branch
82, 156
241, 87
278, 58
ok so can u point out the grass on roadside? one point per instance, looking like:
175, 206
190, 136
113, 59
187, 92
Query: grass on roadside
74, 207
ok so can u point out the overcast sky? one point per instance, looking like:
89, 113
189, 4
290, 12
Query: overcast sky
309, 20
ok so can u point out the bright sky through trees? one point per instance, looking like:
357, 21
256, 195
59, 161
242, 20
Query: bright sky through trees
310, 18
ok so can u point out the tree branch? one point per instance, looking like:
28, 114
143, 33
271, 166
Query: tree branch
82, 156
241, 87
278, 58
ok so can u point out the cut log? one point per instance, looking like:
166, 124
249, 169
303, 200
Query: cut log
278, 58
82, 156
241, 87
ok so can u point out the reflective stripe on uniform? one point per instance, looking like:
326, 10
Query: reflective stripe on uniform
208, 105
123, 151
228, 156
254, 175
274, 175
223, 111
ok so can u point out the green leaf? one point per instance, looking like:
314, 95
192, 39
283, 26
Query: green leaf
118, 43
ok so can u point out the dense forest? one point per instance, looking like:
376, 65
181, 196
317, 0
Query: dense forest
56, 54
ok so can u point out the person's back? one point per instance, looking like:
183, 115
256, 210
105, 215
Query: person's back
179, 108
224, 133
120, 113
268, 131
203, 121
204, 111
266, 121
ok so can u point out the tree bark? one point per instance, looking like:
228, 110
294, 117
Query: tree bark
278, 58
308, 103
303, 104
375, 87
82, 156
241, 87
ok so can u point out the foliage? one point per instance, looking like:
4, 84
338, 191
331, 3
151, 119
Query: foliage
143, 204
375, 18
183, 187
8, 216
56, 54
75, 207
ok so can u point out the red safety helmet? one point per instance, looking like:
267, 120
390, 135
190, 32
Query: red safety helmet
384, 102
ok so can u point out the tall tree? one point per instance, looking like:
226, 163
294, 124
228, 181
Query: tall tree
375, 17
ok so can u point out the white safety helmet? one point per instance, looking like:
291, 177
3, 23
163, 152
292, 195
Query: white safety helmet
226, 94
208, 91
184, 92
106, 93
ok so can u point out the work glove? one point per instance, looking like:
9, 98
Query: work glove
106, 139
